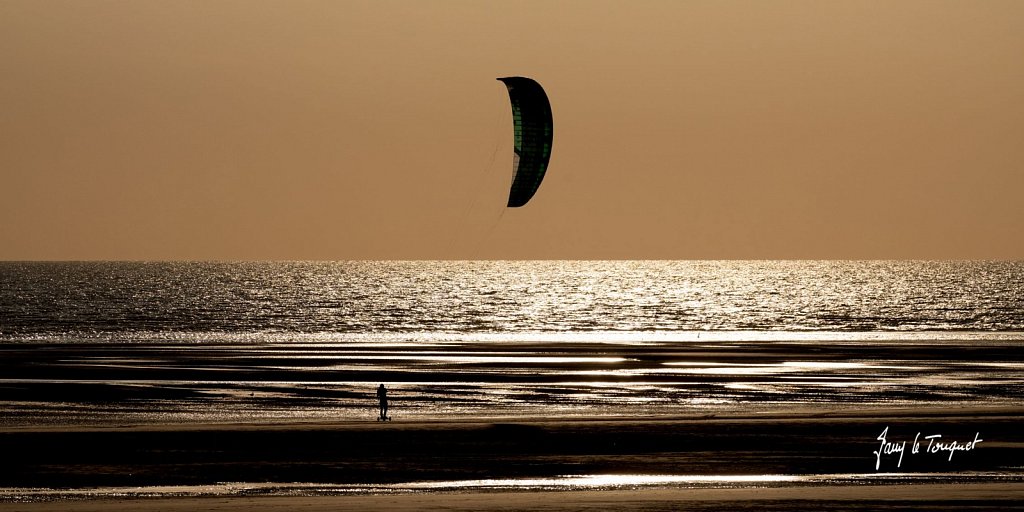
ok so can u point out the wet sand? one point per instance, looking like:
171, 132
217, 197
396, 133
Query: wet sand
358, 453
998, 496
101, 384
293, 426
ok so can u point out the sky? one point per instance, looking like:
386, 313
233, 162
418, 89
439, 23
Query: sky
335, 130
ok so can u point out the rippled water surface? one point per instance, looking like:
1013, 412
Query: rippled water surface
204, 300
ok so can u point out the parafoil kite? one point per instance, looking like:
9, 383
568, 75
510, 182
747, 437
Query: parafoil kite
531, 119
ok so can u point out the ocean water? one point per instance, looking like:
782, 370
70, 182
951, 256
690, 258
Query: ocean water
101, 342
206, 301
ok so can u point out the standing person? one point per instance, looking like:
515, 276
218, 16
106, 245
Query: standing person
382, 395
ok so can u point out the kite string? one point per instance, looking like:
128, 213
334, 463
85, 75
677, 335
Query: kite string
499, 143
487, 235
482, 180
462, 224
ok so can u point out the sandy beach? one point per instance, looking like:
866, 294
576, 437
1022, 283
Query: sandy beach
1003, 496
366, 465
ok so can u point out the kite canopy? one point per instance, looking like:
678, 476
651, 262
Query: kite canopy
531, 118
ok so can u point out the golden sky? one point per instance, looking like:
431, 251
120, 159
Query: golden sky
349, 129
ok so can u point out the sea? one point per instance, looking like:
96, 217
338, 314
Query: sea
96, 343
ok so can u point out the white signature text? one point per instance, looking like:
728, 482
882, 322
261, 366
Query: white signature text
935, 444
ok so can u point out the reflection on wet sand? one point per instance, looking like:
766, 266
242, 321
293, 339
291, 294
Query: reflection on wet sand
555, 483
140, 383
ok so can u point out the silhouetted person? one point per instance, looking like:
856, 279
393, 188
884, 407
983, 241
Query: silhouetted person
382, 395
